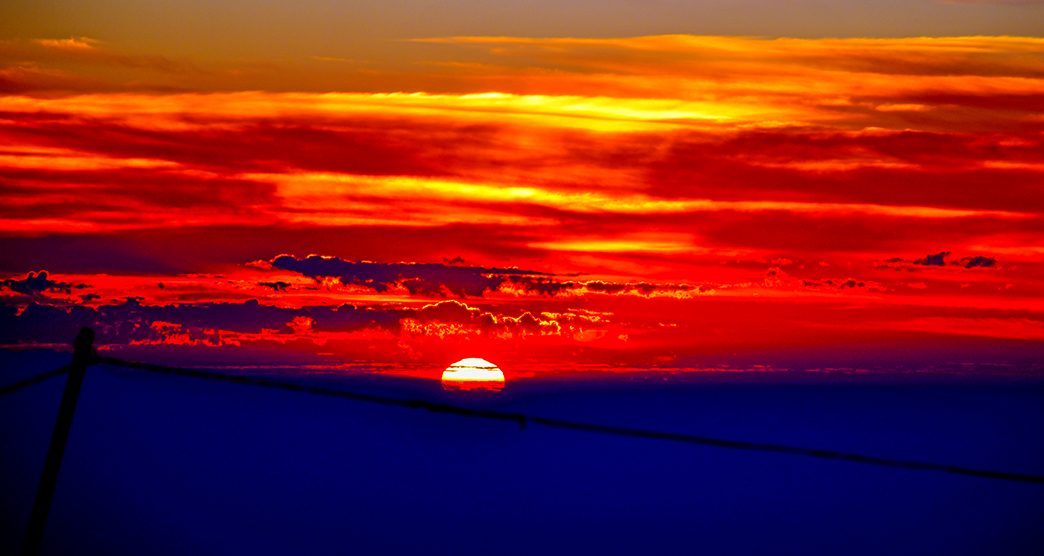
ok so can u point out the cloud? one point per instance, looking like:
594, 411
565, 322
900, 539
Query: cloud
453, 318
73, 44
778, 279
184, 160
416, 278
583, 288
44, 324
439, 160
86, 51
978, 261
613, 329
940, 259
217, 324
444, 280
36, 283
641, 174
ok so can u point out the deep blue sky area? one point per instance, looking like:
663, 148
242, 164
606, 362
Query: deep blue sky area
172, 465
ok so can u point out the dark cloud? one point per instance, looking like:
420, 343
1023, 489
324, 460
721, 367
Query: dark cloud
850, 283
639, 288
36, 283
777, 278
350, 317
278, 285
938, 259
540, 285
430, 279
177, 249
551, 287
978, 261
40, 323
417, 278
131, 321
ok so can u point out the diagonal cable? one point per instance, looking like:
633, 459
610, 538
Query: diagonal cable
522, 419
42, 377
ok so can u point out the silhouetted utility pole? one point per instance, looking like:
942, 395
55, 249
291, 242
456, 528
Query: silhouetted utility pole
83, 355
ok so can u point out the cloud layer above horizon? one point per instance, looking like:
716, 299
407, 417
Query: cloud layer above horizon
659, 200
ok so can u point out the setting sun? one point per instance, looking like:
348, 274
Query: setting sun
473, 373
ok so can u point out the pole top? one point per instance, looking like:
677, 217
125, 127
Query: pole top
83, 345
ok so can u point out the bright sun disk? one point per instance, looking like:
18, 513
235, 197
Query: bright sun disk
473, 373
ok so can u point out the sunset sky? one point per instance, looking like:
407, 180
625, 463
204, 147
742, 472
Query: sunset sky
552, 186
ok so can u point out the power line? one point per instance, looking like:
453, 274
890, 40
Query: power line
10, 388
523, 419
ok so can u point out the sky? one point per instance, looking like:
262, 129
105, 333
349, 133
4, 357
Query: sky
553, 186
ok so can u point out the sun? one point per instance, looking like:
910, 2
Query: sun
473, 373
